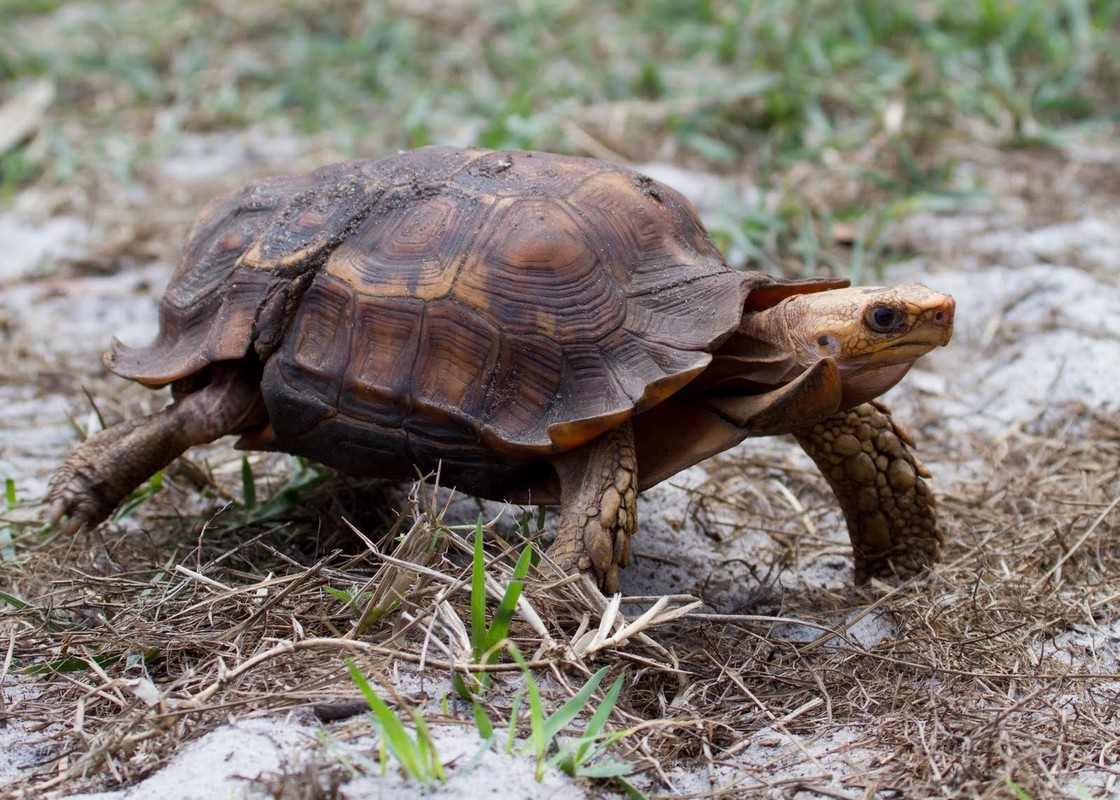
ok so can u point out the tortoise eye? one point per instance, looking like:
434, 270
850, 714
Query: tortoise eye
883, 319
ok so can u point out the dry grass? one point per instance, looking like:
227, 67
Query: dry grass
1001, 663
994, 666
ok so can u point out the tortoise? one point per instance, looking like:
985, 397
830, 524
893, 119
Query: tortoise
542, 328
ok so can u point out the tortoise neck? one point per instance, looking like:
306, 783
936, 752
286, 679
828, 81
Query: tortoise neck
758, 356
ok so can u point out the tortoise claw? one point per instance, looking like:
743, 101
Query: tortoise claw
74, 502
58, 512
82, 492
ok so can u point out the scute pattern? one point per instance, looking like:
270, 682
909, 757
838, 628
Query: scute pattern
454, 364
528, 379
376, 386
474, 307
223, 279
410, 251
535, 270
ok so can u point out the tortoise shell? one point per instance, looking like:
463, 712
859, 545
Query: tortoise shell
465, 308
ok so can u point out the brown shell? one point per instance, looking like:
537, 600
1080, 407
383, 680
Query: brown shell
469, 307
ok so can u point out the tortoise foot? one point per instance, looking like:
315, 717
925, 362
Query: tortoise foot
101, 473
591, 553
74, 499
599, 495
82, 492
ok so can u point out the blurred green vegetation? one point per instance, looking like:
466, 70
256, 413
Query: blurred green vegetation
873, 88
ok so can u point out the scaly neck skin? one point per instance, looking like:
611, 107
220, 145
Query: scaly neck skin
773, 339
814, 331
759, 355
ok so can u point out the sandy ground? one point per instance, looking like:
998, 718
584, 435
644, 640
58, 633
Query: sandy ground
1038, 337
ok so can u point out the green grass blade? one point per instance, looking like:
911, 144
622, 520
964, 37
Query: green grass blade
576, 755
7, 547
486, 641
514, 714
598, 720
411, 754
459, 684
478, 593
537, 743
248, 486
482, 721
426, 750
74, 664
7, 544
603, 712
23, 605
306, 477
562, 717
341, 596
141, 495
15, 602
499, 626
394, 733
631, 791
465, 686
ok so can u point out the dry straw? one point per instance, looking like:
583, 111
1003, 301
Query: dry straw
997, 664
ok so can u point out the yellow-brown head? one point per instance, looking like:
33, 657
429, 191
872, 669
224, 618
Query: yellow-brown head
873, 333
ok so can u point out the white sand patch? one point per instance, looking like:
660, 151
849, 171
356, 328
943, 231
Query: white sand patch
226, 763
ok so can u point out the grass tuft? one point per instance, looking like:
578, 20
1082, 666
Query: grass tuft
487, 640
416, 753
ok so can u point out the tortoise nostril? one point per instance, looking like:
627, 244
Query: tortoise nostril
944, 315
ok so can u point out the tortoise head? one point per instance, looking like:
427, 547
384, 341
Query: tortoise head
874, 334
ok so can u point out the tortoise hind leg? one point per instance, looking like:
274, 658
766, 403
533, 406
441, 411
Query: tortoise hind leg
97, 476
599, 506
865, 456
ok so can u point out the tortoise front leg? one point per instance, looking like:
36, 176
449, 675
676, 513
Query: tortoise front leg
865, 456
97, 476
599, 506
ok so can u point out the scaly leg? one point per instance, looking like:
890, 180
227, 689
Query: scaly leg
865, 456
599, 506
97, 476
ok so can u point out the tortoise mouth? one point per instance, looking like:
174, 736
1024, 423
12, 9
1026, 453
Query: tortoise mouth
916, 347
890, 354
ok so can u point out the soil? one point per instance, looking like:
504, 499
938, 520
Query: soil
1029, 381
